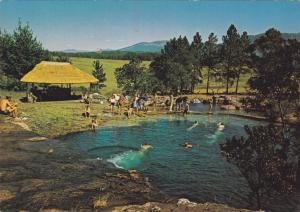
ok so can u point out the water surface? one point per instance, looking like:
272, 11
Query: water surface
200, 173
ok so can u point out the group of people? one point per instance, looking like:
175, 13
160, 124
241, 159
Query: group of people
188, 145
87, 100
8, 107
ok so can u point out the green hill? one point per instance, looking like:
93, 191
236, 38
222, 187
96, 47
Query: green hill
155, 46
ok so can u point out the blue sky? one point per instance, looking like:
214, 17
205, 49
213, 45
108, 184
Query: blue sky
94, 24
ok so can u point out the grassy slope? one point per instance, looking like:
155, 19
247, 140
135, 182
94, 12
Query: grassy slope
85, 64
109, 66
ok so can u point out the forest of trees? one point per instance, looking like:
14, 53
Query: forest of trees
181, 65
114, 55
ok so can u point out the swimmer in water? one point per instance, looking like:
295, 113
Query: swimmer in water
187, 145
145, 147
221, 126
193, 126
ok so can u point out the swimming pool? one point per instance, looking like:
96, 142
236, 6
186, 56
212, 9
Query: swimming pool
200, 173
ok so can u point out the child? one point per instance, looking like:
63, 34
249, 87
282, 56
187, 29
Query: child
94, 124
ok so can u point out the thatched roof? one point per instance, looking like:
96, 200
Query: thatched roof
57, 73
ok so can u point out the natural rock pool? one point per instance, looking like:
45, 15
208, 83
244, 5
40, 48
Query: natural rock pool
201, 173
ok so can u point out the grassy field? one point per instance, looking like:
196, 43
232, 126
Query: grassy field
57, 118
109, 66
85, 64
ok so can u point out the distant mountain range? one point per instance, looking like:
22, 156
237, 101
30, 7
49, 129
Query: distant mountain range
156, 46
74, 51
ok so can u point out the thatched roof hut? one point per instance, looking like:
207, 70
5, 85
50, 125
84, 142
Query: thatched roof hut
57, 73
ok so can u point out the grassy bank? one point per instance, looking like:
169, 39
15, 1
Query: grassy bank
56, 118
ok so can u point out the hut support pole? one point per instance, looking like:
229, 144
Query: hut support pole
27, 91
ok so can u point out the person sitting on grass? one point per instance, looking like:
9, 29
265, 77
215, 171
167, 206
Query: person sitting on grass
94, 124
7, 107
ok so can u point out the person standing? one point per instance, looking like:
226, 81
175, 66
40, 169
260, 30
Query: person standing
186, 108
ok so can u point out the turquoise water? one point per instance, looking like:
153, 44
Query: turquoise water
200, 173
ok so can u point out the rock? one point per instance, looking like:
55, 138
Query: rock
6, 195
186, 202
134, 174
100, 203
23, 125
155, 209
37, 138
50, 151
121, 176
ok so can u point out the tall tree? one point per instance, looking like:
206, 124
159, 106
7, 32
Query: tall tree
265, 159
6, 52
211, 56
173, 68
166, 72
134, 78
197, 50
99, 74
243, 57
275, 81
27, 50
230, 54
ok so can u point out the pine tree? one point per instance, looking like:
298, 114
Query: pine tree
197, 51
211, 56
99, 74
230, 54
243, 58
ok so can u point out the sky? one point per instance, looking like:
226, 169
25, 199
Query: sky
113, 24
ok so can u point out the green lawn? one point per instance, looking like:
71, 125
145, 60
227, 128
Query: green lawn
109, 66
85, 64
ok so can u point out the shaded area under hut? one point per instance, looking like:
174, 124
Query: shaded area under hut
60, 76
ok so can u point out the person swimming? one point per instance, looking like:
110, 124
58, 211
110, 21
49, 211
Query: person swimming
221, 126
187, 145
145, 147
196, 123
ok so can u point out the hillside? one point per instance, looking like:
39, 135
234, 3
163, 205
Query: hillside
155, 46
